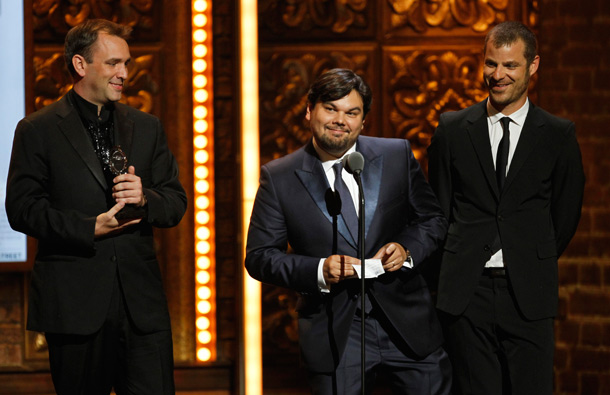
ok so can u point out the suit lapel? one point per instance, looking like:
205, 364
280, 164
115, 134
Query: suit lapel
479, 136
313, 178
371, 180
526, 143
72, 127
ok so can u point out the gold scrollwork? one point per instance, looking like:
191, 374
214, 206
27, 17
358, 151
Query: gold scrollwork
424, 85
61, 15
339, 15
447, 14
52, 81
284, 85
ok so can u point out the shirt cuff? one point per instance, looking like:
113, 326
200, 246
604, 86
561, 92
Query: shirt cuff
321, 282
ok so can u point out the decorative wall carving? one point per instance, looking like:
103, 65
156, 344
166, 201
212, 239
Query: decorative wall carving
284, 82
292, 18
53, 18
424, 84
422, 15
52, 81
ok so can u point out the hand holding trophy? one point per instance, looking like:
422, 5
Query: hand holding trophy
117, 163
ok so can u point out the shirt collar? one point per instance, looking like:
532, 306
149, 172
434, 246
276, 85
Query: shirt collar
517, 117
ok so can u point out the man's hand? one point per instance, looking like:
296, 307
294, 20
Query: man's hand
338, 268
128, 188
106, 223
392, 256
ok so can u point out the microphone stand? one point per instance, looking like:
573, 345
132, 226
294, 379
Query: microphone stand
363, 282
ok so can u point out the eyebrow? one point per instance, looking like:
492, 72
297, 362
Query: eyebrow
329, 103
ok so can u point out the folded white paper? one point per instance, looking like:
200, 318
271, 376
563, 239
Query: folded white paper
372, 267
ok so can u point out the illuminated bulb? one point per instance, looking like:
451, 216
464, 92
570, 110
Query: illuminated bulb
202, 323
204, 337
203, 263
200, 65
200, 5
202, 217
201, 126
201, 95
200, 112
202, 186
200, 81
203, 247
204, 307
201, 156
204, 292
202, 172
204, 354
203, 233
200, 35
200, 20
200, 142
202, 277
202, 202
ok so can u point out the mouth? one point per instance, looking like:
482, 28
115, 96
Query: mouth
498, 87
116, 86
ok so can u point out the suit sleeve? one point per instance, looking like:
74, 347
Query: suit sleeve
568, 189
28, 204
439, 171
267, 259
427, 225
166, 198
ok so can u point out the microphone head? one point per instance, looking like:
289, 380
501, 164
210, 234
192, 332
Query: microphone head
353, 163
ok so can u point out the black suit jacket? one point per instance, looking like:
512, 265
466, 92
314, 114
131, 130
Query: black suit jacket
56, 188
291, 208
536, 214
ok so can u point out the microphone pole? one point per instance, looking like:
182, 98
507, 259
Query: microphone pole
354, 164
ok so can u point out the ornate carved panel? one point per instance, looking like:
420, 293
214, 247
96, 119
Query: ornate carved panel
53, 18
52, 80
424, 83
310, 19
444, 17
285, 77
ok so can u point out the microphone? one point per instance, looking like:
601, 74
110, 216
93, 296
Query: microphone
353, 163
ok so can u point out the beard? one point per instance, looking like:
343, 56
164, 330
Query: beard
333, 145
511, 95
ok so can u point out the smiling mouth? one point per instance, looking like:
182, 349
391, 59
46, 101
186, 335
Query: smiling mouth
116, 86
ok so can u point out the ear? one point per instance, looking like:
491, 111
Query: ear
534, 65
80, 65
308, 113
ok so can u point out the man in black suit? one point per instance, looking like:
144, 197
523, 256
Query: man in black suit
298, 204
89, 178
510, 181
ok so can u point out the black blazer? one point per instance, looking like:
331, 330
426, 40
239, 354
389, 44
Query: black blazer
536, 215
290, 208
56, 188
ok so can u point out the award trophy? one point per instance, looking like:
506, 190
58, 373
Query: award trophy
117, 163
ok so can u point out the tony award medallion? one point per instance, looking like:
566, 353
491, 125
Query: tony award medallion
117, 163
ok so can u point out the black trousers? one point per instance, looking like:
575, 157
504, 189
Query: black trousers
387, 357
494, 350
117, 356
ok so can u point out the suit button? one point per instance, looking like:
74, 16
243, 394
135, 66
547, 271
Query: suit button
500, 218
113, 258
486, 248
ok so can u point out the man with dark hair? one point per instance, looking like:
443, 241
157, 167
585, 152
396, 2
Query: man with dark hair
510, 181
89, 178
307, 200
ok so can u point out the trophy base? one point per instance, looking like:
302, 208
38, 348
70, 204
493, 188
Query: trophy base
131, 211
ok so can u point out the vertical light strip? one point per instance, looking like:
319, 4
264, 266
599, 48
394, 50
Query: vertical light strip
203, 153
250, 173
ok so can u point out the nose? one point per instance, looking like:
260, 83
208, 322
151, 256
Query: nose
498, 73
339, 118
122, 72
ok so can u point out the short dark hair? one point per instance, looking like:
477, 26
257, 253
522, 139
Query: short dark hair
507, 33
80, 39
338, 83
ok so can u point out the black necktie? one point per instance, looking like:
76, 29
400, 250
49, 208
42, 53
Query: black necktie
348, 211
502, 155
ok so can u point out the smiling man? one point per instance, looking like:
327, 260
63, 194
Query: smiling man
300, 203
89, 178
510, 181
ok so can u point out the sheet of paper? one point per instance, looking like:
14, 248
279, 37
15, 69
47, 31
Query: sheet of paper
372, 267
